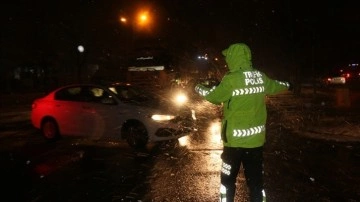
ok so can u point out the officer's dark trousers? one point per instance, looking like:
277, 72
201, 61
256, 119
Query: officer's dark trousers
252, 161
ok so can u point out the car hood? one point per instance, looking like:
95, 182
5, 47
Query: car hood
161, 103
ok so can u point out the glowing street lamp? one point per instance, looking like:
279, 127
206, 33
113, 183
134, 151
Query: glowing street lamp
137, 24
140, 20
81, 49
80, 61
123, 20
143, 18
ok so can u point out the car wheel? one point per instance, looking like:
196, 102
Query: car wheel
135, 134
50, 129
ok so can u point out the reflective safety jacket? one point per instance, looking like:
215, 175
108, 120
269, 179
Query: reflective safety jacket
242, 92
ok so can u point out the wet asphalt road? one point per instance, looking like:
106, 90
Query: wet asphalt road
297, 167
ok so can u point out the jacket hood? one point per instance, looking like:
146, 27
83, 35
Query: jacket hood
238, 57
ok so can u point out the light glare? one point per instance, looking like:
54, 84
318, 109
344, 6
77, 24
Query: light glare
123, 19
183, 141
180, 98
215, 131
81, 48
159, 117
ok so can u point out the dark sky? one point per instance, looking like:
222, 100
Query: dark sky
281, 33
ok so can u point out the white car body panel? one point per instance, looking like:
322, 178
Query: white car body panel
98, 120
337, 80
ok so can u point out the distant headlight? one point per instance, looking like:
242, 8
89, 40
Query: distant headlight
159, 117
180, 98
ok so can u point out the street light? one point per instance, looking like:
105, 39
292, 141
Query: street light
123, 20
137, 24
81, 50
141, 20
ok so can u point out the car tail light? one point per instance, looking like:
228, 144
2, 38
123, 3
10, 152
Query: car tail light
34, 105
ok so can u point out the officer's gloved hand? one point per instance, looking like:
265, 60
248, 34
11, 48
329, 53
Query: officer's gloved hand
197, 87
209, 83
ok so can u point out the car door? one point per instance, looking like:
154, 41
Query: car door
68, 110
101, 114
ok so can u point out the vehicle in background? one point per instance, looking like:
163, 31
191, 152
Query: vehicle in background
154, 69
151, 67
116, 111
351, 74
345, 75
335, 80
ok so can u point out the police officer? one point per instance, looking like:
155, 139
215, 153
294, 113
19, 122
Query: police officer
242, 93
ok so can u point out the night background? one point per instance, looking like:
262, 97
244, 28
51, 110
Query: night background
288, 39
313, 130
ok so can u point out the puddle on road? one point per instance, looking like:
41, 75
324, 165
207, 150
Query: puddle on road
210, 141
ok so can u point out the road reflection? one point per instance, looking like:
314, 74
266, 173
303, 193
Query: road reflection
210, 140
194, 167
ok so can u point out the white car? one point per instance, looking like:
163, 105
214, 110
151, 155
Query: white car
334, 80
116, 111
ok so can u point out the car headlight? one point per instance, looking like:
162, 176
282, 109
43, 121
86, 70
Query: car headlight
180, 98
160, 117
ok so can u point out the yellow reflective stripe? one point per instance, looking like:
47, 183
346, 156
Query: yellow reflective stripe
247, 91
283, 83
222, 193
248, 131
204, 92
225, 168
